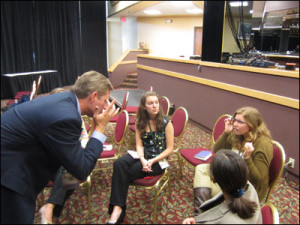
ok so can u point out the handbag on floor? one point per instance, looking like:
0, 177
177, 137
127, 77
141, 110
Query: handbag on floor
69, 181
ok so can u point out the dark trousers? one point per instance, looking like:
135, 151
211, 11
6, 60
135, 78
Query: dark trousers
17, 208
59, 195
127, 169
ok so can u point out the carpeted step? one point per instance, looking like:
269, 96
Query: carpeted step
128, 85
130, 80
132, 73
132, 76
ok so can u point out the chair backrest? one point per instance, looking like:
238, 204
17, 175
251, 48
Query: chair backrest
219, 127
121, 127
38, 84
179, 120
89, 124
269, 214
125, 100
276, 167
165, 104
33, 90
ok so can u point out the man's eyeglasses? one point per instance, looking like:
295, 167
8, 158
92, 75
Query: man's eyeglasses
238, 121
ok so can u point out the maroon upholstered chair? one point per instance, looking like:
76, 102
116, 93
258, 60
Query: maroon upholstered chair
32, 94
88, 121
269, 213
89, 124
165, 104
38, 85
218, 129
131, 133
156, 184
115, 118
179, 120
114, 153
276, 167
132, 110
187, 155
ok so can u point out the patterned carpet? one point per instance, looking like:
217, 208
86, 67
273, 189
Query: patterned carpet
171, 209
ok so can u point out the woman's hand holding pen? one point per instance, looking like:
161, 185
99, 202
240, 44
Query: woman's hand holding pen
228, 125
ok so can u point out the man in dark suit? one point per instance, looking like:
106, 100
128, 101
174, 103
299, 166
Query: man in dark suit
39, 136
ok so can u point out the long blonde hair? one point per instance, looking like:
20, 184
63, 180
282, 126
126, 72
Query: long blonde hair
257, 127
142, 115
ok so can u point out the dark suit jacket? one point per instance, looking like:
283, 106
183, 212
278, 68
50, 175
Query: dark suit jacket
39, 136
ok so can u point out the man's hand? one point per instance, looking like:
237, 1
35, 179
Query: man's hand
102, 119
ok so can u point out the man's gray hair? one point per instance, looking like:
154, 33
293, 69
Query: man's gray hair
89, 82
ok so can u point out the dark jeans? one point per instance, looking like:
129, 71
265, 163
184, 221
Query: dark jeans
126, 170
59, 195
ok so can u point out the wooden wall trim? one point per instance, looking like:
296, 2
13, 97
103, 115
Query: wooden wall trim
128, 62
269, 71
281, 100
121, 58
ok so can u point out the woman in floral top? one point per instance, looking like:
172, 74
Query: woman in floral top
154, 143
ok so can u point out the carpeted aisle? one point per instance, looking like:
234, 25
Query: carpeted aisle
171, 209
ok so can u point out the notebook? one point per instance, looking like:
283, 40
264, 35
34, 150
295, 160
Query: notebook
107, 147
133, 154
203, 155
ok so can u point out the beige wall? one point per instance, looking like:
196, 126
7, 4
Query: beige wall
114, 41
168, 39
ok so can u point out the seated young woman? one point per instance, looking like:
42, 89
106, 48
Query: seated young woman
154, 142
238, 202
246, 134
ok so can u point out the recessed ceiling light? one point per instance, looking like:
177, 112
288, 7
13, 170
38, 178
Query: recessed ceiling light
152, 12
236, 4
195, 11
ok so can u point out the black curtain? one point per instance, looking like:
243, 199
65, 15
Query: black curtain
50, 35
93, 32
57, 34
17, 37
212, 31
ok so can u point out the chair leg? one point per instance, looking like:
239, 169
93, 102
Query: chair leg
180, 163
89, 197
169, 184
155, 206
43, 197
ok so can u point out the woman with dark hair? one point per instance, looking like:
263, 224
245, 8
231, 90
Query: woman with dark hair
247, 135
154, 143
238, 202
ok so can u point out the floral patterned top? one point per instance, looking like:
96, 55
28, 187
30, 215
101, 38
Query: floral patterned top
155, 142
